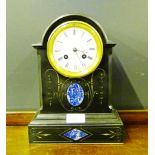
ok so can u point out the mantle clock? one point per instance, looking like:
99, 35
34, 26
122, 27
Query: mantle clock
75, 85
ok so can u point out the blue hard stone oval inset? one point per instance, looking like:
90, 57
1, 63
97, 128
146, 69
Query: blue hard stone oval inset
75, 94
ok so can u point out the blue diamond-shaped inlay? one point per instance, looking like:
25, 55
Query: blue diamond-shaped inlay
75, 134
75, 94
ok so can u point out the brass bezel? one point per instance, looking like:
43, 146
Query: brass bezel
57, 31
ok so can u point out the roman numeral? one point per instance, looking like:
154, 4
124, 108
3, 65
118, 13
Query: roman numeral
91, 49
75, 67
57, 50
89, 57
65, 35
89, 40
59, 59
74, 32
82, 34
67, 64
83, 65
59, 41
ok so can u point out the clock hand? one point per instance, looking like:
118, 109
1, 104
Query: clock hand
84, 55
79, 58
81, 51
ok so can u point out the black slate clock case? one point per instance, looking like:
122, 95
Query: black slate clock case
102, 122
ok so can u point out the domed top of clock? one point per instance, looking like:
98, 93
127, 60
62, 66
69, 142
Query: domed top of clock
61, 19
75, 45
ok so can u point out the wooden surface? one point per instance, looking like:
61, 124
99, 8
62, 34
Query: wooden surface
135, 144
127, 116
19, 118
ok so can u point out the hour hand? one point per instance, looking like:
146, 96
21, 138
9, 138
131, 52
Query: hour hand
81, 51
79, 57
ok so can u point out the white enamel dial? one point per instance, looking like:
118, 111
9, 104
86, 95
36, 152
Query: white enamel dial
75, 49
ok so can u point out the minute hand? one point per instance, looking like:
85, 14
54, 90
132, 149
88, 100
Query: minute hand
79, 58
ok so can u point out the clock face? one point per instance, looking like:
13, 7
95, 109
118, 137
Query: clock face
74, 49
